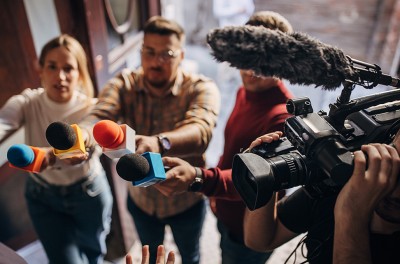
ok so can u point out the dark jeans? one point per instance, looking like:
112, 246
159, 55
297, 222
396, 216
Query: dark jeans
72, 222
186, 228
235, 252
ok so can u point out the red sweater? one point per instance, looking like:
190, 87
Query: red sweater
253, 115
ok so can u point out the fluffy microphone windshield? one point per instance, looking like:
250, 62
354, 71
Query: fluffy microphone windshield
295, 57
60, 135
133, 167
108, 134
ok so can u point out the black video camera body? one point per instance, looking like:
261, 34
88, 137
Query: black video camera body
317, 149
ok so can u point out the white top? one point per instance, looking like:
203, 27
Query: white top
233, 12
33, 109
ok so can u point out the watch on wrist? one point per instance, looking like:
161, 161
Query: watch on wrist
164, 143
197, 183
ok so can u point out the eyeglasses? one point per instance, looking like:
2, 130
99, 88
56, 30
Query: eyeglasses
164, 57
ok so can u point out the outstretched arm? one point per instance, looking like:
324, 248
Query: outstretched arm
262, 229
216, 182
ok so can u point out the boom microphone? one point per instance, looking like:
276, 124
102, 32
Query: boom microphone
296, 57
116, 140
25, 157
142, 170
66, 140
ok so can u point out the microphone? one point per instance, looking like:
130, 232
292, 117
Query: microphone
296, 57
25, 157
115, 140
66, 140
142, 170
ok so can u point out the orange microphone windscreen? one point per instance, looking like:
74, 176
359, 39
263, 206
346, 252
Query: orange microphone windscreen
108, 134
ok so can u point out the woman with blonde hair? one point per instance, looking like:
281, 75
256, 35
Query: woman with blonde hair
69, 203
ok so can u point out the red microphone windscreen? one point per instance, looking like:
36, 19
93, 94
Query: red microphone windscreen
108, 134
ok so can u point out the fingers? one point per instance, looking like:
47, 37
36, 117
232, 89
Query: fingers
171, 258
375, 174
375, 160
76, 159
383, 165
128, 259
255, 143
359, 164
146, 144
378, 158
268, 138
160, 255
177, 180
51, 157
145, 255
171, 162
396, 165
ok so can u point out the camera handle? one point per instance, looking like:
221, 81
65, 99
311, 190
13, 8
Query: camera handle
339, 111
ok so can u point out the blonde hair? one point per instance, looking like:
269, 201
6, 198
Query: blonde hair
76, 49
271, 20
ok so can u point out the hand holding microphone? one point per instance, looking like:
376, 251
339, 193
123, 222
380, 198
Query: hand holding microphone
66, 140
27, 158
142, 170
116, 140
173, 175
181, 177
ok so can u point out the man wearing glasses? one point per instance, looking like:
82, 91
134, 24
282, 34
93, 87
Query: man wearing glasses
173, 113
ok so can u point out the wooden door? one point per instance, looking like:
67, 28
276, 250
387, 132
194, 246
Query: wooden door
17, 72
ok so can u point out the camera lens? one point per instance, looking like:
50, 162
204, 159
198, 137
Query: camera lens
256, 178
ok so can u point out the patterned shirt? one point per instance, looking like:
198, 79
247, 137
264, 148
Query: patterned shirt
193, 99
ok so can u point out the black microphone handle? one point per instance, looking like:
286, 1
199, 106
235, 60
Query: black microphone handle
378, 78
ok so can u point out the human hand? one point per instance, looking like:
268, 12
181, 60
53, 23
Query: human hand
77, 159
146, 256
49, 158
147, 144
369, 184
267, 138
178, 178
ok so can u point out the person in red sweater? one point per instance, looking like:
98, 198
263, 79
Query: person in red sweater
260, 108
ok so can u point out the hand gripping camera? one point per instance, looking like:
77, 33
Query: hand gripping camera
317, 149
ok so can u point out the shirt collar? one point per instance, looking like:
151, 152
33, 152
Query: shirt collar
174, 89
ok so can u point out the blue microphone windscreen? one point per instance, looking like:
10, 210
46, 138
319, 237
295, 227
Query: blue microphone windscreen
20, 155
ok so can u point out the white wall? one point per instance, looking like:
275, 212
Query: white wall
43, 22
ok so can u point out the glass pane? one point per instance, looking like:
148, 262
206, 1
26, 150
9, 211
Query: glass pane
122, 20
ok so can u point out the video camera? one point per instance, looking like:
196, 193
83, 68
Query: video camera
317, 149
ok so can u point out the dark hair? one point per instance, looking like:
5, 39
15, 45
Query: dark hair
162, 26
271, 20
76, 49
